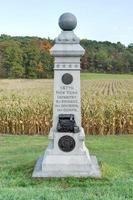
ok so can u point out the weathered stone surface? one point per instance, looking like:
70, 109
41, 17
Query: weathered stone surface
67, 37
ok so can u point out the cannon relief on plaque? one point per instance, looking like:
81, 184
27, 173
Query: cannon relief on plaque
67, 123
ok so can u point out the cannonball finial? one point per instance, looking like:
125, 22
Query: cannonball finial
67, 22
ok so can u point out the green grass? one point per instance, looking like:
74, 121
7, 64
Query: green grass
19, 153
92, 76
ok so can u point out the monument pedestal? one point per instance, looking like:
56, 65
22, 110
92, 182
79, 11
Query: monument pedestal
56, 163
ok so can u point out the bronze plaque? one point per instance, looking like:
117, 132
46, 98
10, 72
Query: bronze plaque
66, 143
67, 79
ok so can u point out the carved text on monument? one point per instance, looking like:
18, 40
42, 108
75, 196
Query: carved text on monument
66, 99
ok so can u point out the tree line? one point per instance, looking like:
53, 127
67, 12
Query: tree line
29, 57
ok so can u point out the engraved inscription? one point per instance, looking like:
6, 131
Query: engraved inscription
66, 99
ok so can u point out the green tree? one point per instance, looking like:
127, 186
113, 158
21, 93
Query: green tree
31, 58
16, 71
12, 57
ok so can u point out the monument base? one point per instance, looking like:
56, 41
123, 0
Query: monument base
56, 163
67, 170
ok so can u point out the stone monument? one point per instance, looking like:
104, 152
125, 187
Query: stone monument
66, 154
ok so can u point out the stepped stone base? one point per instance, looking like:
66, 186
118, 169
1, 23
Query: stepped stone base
56, 163
61, 166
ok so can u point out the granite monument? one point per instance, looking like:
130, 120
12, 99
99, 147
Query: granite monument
66, 154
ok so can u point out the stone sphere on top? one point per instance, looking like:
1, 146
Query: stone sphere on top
67, 22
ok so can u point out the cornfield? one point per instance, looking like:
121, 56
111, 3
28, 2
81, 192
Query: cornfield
26, 106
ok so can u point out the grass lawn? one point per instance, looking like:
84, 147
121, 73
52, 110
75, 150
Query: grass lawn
92, 76
19, 153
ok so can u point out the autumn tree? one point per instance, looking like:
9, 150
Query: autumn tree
29, 57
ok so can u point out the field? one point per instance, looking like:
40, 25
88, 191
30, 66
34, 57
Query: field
19, 153
107, 109
92, 76
107, 105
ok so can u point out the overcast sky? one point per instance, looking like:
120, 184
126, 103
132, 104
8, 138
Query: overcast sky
100, 20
